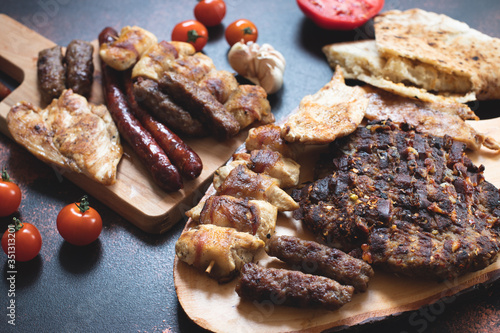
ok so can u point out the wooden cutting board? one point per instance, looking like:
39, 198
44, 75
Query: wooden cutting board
217, 307
134, 196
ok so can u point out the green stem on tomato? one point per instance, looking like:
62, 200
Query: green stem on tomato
17, 224
5, 175
84, 204
193, 36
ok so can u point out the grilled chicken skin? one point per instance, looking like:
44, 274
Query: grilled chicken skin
70, 134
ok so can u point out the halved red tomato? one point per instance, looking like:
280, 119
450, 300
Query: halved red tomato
340, 14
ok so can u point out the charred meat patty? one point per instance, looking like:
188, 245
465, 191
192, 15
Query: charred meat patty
414, 203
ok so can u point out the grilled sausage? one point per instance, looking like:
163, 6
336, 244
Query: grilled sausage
293, 288
163, 108
79, 67
51, 73
4, 91
143, 143
182, 156
194, 98
314, 258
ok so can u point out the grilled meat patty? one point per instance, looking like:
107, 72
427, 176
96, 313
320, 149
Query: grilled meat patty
413, 202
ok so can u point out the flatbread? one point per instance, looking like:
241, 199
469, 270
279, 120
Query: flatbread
448, 45
361, 60
425, 56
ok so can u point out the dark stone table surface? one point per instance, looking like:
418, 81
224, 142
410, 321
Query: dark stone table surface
123, 282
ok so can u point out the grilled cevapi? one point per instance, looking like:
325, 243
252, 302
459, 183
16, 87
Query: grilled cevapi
292, 288
79, 67
318, 259
51, 73
414, 203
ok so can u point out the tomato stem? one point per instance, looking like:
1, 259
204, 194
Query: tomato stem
17, 224
193, 35
5, 175
247, 31
84, 204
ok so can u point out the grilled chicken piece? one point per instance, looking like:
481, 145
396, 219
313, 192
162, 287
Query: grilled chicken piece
126, 50
219, 251
192, 97
266, 162
334, 111
161, 57
221, 84
249, 104
71, 134
435, 118
163, 108
256, 217
244, 183
268, 137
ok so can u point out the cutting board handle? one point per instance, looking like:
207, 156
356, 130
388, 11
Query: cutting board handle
19, 47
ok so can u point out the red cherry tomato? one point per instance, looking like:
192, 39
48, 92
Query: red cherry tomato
10, 195
241, 30
21, 241
78, 223
191, 31
340, 14
210, 12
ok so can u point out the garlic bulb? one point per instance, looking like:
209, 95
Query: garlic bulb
262, 65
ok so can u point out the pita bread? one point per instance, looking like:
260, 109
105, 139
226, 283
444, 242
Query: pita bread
423, 55
449, 46
361, 60
334, 111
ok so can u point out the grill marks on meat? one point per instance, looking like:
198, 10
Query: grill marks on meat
163, 108
80, 67
414, 202
314, 258
293, 288
200, 101
51, 73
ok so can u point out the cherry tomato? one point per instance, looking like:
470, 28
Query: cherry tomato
191, 31
210, 12
21, 241
340, 14
10, 195
241, 30
78, 223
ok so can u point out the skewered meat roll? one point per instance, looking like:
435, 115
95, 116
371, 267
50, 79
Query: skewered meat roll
268, 137
266, 162
293, 288
219, 251
244, 183
256, 217
314, 258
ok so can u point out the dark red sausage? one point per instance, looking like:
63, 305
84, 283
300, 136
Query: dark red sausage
4, 91
181, 155
143, 143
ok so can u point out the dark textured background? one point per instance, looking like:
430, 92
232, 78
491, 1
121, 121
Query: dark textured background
123, 282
